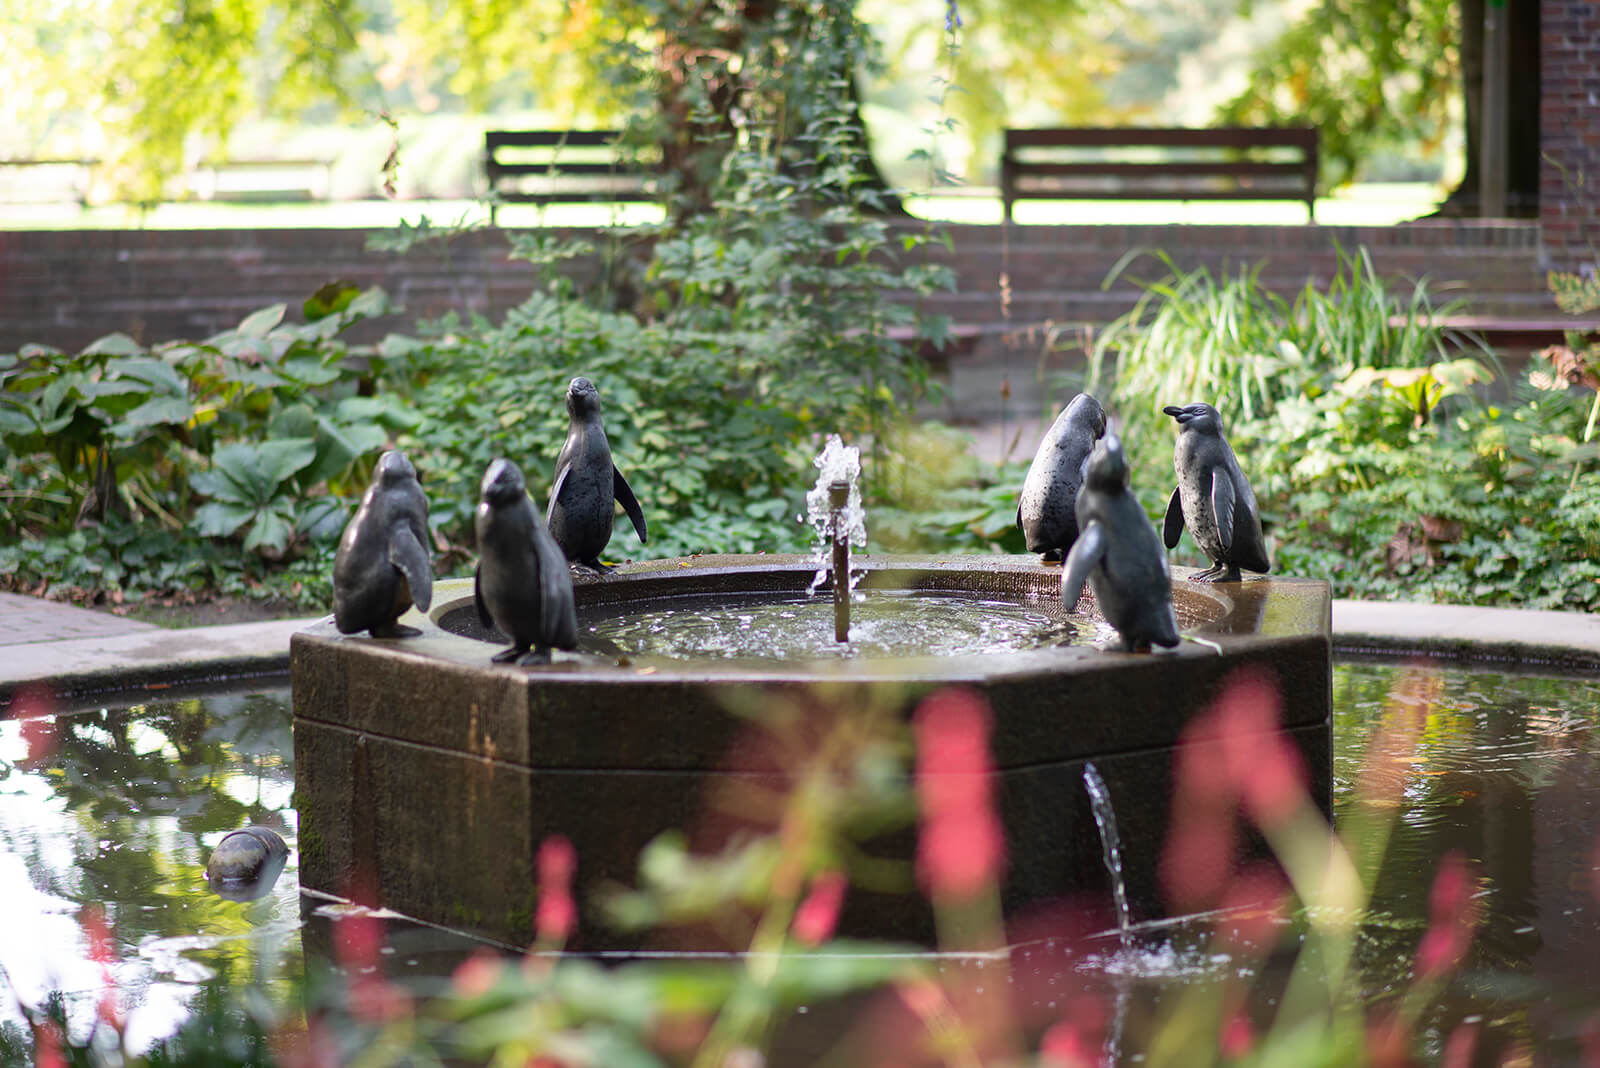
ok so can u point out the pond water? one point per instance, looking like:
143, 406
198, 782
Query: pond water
118, 809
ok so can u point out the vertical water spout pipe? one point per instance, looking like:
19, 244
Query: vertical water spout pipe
838, 497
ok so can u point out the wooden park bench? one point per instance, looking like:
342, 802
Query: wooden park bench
1157, 163
26, 180
263, 181
563, 166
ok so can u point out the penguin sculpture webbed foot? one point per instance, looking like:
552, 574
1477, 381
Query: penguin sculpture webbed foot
534, 657
395, 630
592, 567
508, 656
1052, 557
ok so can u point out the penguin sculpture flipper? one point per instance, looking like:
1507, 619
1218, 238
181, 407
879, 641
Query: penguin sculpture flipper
1172, 526
1085, 554
407, 554
555, 491
477, 598
630, 504
1222, 498
556, 608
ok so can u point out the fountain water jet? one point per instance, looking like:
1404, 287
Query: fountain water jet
838, 498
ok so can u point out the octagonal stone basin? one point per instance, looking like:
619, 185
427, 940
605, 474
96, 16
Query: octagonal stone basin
427, 776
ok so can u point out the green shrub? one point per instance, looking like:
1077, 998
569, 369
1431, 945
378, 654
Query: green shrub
1365, 429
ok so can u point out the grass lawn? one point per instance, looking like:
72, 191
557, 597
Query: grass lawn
1375, 204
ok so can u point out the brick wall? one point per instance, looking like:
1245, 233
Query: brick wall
1569, 123
67, 288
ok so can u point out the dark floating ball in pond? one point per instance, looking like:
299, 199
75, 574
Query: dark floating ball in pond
246, 863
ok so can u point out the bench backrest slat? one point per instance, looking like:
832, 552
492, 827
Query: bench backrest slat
564, 166
1220, 163
1163, 137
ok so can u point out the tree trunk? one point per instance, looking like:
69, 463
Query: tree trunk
1522, 107
693, 145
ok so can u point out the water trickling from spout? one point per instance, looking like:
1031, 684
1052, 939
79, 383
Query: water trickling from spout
1111, 847
838, 498
837, 462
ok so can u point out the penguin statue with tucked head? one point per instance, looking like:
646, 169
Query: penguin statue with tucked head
1045, 507
1118, 554
522, 585
1213, 498
382, 566
588, 485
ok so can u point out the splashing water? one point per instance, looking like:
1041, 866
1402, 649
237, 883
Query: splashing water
837, 462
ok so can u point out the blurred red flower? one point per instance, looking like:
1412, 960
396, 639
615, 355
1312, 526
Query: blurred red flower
961, 849
1450, 918
1234, 756
818, 914
557, 915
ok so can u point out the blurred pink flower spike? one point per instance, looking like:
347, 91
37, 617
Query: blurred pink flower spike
1461, 1045
961, 849
35, 706
557, 915
358, 943
818, 914
1234, 756
1450, 918
103, 951
478, 974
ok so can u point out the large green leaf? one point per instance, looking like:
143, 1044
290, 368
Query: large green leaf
272, 529
332, 298
151, 372
257, 324
219, 519
254, 474
156, 411
113, 345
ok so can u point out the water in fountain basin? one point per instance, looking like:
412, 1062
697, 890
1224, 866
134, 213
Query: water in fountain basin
837, 462
785, 628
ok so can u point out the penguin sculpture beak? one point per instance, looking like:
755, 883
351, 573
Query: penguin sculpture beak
1176, 412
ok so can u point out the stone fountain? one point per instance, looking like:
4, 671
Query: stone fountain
427, 776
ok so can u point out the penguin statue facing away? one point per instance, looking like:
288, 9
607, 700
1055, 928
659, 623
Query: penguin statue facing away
1213, 498
521, 585
1045, 507
587, 484
382, 566
1118, 554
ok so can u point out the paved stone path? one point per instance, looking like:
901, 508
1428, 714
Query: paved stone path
26, 620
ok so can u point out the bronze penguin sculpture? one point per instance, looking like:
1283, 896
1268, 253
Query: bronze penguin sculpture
521, 585
587, 484
246, 863
382, 566
1045, 507
1213, 498
1119, 555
